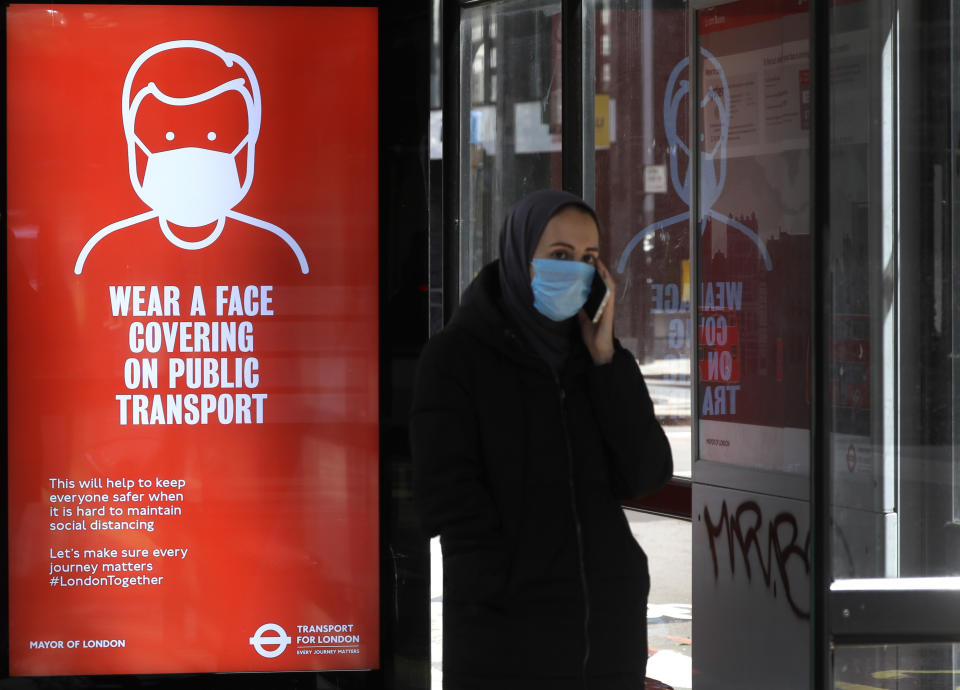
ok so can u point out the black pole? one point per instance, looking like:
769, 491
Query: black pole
452, 120
572, 100
820, 492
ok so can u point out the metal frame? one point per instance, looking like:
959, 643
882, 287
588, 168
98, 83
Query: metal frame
697, 5
675, 500
893, 611
693, 127
821, 671
453, 123
571, 50
587, 109
782, 484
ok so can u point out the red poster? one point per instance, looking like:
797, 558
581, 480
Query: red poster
192, 320
754, 306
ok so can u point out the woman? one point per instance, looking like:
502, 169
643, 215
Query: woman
529, 423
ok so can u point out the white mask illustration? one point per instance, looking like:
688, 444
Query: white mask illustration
191, 186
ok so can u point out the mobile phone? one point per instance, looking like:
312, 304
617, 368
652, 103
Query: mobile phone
597, 299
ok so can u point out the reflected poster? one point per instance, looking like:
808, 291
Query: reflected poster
192, 266
753, 321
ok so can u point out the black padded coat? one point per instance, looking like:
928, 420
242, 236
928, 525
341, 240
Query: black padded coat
519, 470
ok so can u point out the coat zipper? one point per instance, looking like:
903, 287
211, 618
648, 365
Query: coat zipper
576, 516
577, 527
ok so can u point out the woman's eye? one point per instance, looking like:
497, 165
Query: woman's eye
560, 254
590, 259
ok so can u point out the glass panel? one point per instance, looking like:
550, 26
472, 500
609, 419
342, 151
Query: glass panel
510, 118
925, 667
754, 120
639, 129
893, 273
863, 273
630, 51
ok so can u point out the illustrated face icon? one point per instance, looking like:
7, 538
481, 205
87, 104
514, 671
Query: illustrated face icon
191, 180
715, 116
190, 185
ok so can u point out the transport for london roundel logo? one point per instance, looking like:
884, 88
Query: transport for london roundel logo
270, 640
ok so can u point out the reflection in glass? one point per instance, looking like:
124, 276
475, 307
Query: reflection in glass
930, 667
893, 291
862, 311
634, 51
510, 114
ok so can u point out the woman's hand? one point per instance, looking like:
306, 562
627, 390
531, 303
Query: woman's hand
598, 337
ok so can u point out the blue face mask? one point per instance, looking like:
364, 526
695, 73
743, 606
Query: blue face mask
560, 288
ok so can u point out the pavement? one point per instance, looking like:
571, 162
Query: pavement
667, 543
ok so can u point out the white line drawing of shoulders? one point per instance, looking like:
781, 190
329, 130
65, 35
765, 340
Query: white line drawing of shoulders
191, 186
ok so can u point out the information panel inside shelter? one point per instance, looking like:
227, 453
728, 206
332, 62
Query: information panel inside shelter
192, 281
754, 298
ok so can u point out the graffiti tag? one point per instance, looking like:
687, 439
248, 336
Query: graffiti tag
743, 529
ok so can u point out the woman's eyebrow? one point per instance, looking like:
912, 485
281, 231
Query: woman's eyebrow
561, 243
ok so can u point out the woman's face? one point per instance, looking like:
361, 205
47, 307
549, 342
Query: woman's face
571, 235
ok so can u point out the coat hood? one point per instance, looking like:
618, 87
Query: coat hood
481, 311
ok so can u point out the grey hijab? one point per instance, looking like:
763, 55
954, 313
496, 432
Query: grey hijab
519, 236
